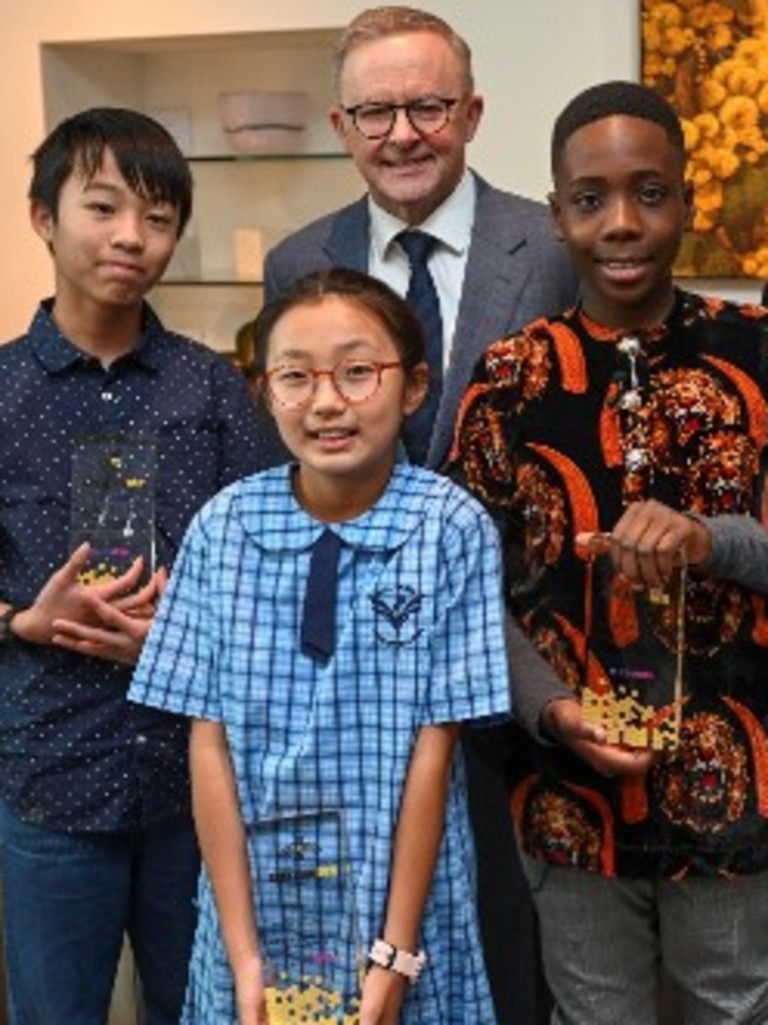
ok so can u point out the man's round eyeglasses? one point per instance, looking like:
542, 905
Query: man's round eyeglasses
426, 116
355, 380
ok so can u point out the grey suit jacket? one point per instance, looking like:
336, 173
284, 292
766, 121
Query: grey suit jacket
516, 271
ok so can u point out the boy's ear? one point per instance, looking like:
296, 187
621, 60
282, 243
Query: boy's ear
42, 220
554, 210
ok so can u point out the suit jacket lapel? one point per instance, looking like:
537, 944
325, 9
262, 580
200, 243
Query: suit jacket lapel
494, 278
347, 244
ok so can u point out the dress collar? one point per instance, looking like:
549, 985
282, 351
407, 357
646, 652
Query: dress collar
384, 527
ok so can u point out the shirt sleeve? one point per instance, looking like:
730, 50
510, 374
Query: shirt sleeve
176, 671
482, 460
469, 678
739, 551
482, 454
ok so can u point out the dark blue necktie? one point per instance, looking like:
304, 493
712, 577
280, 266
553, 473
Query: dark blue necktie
318, 623
422, 295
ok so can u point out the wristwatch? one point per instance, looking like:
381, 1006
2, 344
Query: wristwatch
6, 618
387, 955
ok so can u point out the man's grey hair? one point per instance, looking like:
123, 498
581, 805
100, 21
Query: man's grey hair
380, 22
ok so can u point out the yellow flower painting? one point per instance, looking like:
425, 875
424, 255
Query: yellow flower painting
710, 60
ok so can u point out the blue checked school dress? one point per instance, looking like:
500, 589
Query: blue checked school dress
321, 746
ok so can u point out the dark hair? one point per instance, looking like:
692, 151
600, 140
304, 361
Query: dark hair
615, 98
147, 155
393, 312
381, 22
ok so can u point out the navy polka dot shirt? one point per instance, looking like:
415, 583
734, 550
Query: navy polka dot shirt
75, 755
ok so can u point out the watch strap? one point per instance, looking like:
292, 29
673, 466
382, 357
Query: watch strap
6, 618
387, 955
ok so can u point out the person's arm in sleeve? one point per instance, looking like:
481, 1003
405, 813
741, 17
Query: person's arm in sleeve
650, 538
738, 551
549, 711
644, 546
417, 842
534, 682
221, 834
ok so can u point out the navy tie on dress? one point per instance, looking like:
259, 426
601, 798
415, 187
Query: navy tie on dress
423, 297
318, 624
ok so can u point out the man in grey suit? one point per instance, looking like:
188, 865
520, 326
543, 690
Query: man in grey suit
497, 264
406, 109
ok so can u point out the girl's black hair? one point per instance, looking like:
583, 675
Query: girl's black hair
393, 312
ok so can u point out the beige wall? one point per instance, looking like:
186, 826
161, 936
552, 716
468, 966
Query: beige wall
530, 57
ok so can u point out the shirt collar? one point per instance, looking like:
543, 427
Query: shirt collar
57, 353
384, 527
687, 308
451, 223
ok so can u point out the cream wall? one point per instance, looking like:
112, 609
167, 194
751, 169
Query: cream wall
530, 57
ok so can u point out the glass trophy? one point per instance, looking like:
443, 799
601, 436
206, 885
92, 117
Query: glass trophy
113, 504
306, 919
634, 664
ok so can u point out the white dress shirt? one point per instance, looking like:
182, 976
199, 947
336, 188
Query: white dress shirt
451, 224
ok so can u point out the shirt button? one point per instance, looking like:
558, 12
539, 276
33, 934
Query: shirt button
106, 396
141, 738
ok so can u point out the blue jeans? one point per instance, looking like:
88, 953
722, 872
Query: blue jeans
68, 900
605, 941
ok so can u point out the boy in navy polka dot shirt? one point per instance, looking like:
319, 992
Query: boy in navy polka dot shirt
113, 430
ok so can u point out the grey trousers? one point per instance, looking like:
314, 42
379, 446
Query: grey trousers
605, 943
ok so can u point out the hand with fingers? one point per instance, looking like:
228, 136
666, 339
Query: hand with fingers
563, 721
122, 627
108, 620
648, 542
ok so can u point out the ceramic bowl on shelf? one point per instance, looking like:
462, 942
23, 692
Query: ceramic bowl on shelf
263, 120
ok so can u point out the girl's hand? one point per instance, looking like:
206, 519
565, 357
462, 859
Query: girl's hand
383, 993
249, 994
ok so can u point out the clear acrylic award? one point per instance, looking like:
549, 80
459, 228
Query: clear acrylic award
113, 504
305, 913
635, 656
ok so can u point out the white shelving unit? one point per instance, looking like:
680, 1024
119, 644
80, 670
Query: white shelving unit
178, 80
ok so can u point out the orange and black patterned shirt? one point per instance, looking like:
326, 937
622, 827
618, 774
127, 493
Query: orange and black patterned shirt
562, 426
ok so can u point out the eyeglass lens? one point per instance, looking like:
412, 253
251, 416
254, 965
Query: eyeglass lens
355, 380
376, 120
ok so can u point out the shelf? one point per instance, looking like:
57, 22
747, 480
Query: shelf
245, 201
256, 158
210, 282
213, 316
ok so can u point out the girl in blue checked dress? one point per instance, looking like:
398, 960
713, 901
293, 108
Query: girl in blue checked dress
328, 627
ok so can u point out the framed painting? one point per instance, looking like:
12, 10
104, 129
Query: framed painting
710, 60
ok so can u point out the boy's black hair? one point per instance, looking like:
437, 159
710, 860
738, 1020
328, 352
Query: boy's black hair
609, 99
392, 311
147, 155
